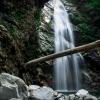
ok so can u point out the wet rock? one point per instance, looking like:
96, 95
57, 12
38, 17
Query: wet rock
12, 87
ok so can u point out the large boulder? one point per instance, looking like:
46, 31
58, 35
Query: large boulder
82, 93
12, 87
41, 93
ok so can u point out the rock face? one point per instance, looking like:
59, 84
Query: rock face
46, 34
19, 23
92, 60
12, 87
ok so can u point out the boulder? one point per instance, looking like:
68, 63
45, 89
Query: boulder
31, 89
12, 87
82, 93
61, 96
90, 97
71, 97
42, 93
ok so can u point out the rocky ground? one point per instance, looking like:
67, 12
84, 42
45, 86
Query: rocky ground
26, 33
14, 88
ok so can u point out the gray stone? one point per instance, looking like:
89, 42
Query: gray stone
71, 97
12, 87
82, 93
90, 97
60, 96
42, 93
31, 89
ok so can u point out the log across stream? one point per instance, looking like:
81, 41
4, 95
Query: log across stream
82, 48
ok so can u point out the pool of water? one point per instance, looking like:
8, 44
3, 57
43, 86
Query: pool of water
97, 93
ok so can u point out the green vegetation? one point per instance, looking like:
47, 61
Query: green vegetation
37, 15
87, 19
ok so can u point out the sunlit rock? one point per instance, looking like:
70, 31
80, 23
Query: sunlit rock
46, 36
82, 93
43, 93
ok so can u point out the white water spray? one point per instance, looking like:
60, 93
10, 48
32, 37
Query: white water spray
67, 73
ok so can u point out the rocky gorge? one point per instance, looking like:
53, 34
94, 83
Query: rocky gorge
26, 33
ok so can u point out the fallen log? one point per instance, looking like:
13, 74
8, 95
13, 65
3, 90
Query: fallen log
78, 49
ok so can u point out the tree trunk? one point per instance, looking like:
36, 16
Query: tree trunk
86, 47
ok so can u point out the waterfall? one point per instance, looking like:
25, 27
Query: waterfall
67, 73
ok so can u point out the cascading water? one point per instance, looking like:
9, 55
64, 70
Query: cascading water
67, 73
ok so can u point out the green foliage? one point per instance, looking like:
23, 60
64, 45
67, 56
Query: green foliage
87, 20
93, 4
